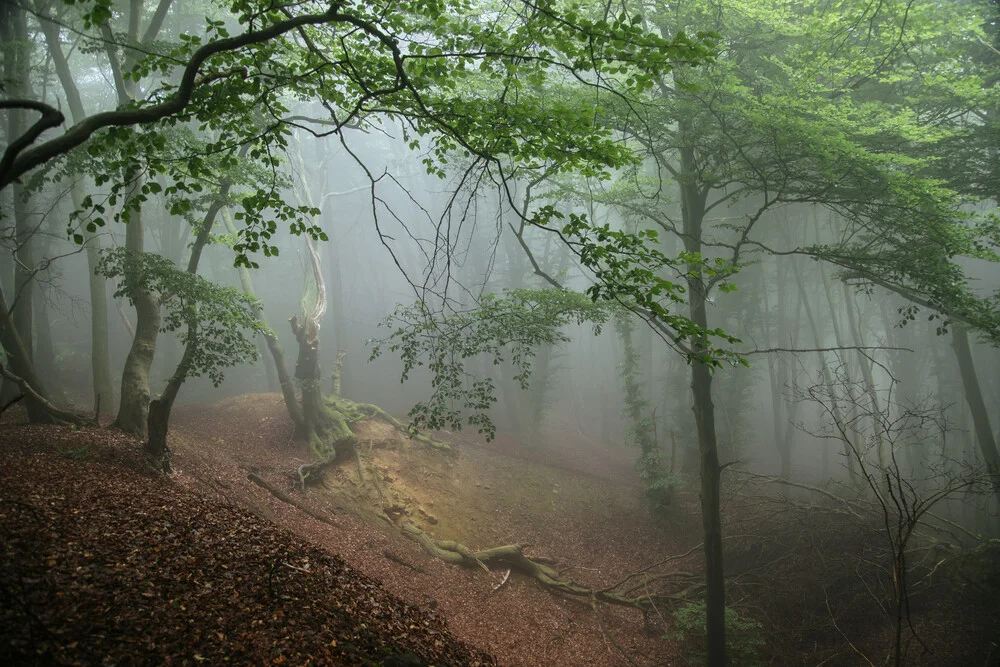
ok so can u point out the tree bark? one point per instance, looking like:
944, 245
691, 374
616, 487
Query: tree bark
852, 403
21, 366
100, 358
134, 407
693, 211
158, 419
17, 47
273, 345
104, 398
977, 406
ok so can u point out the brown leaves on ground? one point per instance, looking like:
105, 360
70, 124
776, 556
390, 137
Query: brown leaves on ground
104, 562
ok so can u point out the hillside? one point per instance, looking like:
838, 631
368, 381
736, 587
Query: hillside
104, 561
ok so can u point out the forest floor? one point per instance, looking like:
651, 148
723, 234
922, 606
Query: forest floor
104, 561
480, 495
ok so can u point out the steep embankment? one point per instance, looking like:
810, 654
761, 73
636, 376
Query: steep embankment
596, 529
104, 562
102, 557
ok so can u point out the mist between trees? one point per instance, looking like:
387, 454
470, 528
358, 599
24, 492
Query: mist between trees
750, 247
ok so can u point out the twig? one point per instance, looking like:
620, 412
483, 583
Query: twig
607, 636
826, 599
297, 569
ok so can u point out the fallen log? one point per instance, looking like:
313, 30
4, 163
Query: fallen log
57, 413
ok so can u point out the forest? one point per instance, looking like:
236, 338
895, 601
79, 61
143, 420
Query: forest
520, 332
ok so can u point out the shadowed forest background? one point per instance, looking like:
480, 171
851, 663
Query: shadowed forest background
525, 332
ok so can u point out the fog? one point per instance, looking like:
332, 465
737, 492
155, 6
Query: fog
849, 319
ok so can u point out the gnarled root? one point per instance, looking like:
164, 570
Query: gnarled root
658, 591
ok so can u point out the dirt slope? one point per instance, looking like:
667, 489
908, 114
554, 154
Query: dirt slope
597, 527
103, 562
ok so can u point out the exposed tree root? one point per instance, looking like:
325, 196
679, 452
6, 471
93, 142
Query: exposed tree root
284, 497
649, 590
331, 436
658, 591
369, 411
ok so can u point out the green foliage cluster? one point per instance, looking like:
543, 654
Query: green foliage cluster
217, 322
503, 327
629, 270
463, 80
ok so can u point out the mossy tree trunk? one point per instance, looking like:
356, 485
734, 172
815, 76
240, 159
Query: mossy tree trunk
324, 426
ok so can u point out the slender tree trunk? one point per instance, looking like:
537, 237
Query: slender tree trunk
977, 406
159, 410
15, 323
8, 390
20, 364
693, 212
266, 360
866, 374
158, 419
274, 346
852, 471
17, 48
650, 463
539, 393
100, 359
104, 399
819, 342
45, 353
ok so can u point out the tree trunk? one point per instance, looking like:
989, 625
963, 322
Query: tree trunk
274, 346
650, 462
100, 359
8, 390
45, 353
852, 403
21, 366
104, 398
819, 342
158, 420
977, 406
866, 374
134, 407
159, 410
17, 48
693, 211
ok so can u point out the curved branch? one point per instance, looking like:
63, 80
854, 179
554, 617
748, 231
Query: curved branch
18, 159
51, 117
